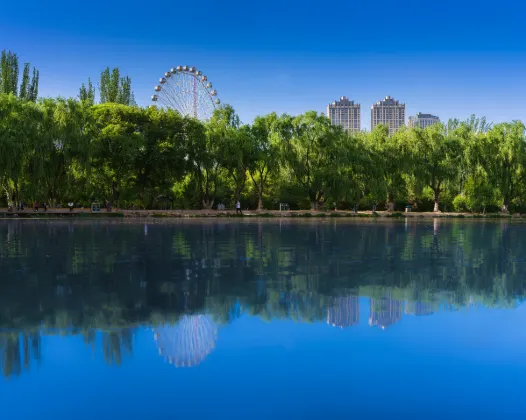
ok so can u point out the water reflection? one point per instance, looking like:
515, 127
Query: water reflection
188, 342
104, 281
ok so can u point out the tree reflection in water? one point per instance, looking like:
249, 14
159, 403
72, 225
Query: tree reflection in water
104, 279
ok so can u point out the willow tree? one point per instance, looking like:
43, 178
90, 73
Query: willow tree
264, 148
20, 143
312, 155
64, 127
233, 144
435, 158
504, 158
160, 163
202, 163
389, 157
9, 78
116, 141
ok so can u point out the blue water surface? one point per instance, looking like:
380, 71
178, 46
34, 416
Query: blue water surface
258, 320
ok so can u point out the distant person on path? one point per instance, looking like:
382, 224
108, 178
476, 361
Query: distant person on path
36, 205
238, 208
45, 206
70, 205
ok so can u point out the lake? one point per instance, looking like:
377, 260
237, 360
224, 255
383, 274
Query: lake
220, 319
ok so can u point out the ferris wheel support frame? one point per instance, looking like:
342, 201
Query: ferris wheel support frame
186, 90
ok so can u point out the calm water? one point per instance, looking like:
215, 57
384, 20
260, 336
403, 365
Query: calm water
259, 320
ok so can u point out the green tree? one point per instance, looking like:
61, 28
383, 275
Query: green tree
233, 146
161, 162
114, 88
116, 141
21, 144
64, 127
265, 153
87, 93
390, 160
312, 155
435, 158
504, 159
9, 72
201, 161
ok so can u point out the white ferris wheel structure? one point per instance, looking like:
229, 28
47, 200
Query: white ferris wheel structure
187, 91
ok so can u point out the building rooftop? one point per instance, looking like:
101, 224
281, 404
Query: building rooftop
387, 101
420, 115
344, 101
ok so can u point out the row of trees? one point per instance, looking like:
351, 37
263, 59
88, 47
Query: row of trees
148, 158
9, 77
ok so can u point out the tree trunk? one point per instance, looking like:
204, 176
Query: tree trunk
208, 204
260, 203
505, 206
115, 193
314, 205
437, 197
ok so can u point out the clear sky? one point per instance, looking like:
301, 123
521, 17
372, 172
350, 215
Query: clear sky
448, 58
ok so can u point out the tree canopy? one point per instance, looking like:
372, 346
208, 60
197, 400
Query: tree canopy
153, 158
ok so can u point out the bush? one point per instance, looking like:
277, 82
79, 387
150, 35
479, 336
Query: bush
460, 203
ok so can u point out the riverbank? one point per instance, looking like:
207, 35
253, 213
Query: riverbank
116, 213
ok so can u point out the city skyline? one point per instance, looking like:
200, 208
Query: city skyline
346, 113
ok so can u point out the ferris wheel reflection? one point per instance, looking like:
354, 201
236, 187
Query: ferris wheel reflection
188, 342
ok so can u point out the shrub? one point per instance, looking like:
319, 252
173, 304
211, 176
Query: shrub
460, 203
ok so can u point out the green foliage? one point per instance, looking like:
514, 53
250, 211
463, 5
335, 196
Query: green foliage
460, 203
114, 88
9, 72
87, 93
139, 158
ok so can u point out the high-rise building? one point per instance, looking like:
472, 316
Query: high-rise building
345, 113
422, 120
388, 112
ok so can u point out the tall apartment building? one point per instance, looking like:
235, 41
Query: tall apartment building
422, 120
345, 113
389, 112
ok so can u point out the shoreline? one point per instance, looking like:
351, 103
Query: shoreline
231, 214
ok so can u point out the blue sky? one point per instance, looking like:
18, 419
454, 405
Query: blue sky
449, 58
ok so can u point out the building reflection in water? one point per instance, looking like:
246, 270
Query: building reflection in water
385, 312
344, 311
188, 342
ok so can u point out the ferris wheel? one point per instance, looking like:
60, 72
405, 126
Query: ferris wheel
188, 342
189, 92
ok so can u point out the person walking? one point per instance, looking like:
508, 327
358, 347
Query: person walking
70, 205
238, 207
36, 206
45, 206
